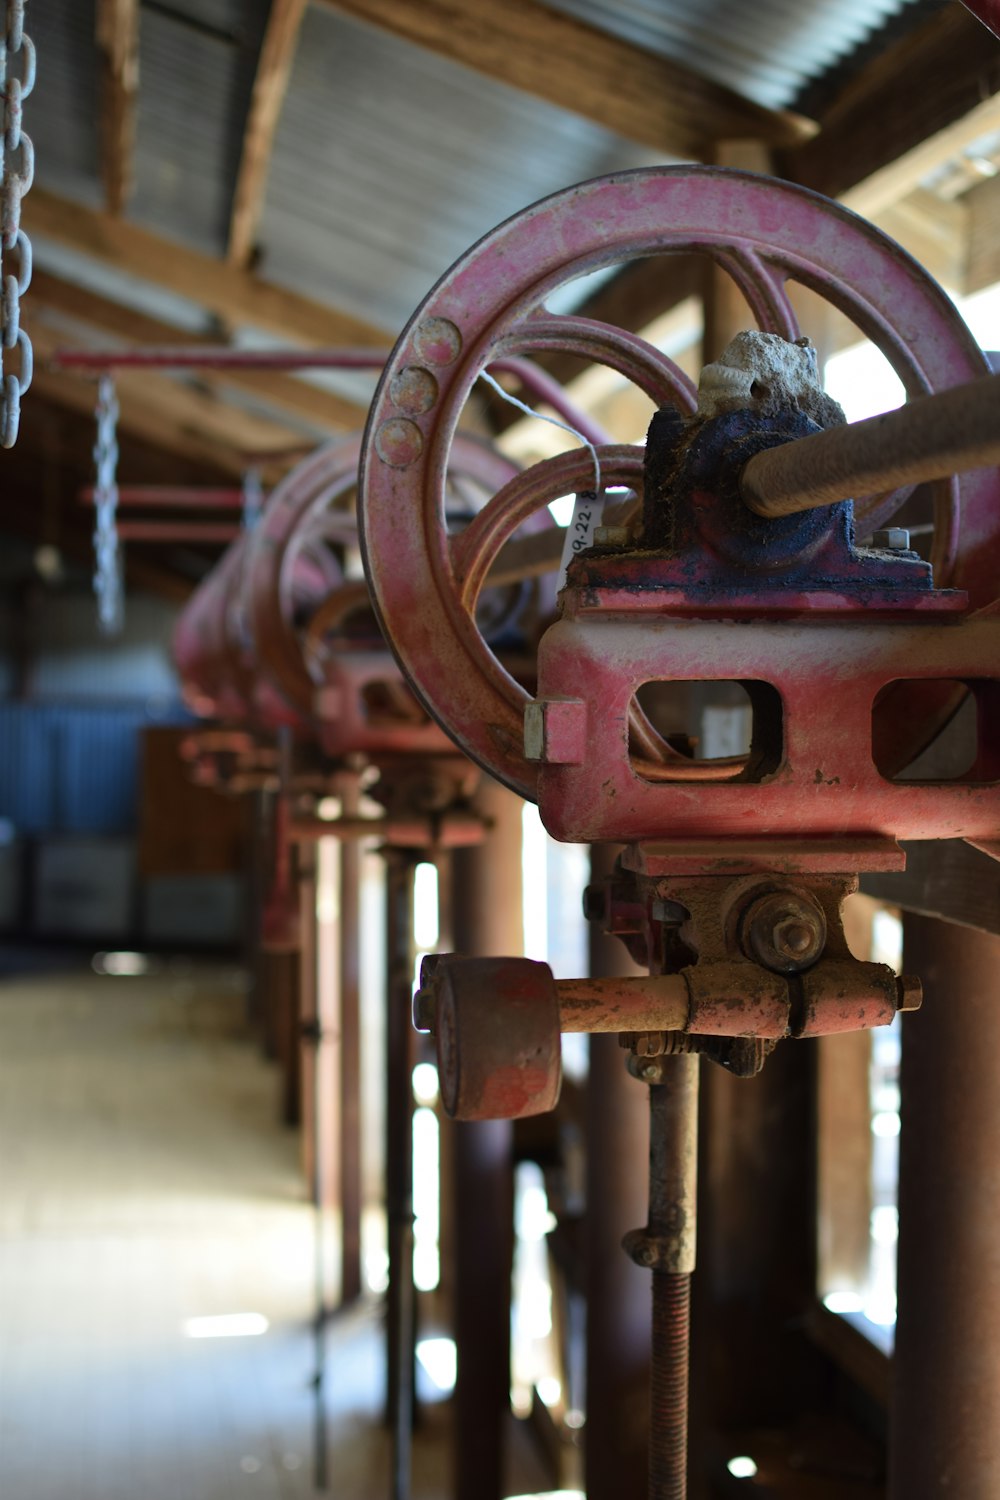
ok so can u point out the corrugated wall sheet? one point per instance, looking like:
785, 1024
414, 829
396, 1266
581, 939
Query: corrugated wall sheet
69, 769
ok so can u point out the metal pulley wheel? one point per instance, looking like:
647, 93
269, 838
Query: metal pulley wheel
291, 566
764, 233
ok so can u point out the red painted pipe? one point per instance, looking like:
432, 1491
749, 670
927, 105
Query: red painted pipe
193, 496
208, 357
178, 531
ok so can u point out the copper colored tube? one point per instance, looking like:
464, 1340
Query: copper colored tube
929, 438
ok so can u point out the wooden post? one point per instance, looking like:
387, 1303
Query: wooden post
616, 1435
486, 915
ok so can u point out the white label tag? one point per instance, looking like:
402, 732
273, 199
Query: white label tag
587, 513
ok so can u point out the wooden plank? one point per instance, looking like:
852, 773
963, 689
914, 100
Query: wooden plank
270, 86
982, 266
574, 66
331, 412
902, 114
946, 879
117, 33
237, 297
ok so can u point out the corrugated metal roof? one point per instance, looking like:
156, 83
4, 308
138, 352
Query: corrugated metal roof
196, 77
389, 161
62, 113
767, 51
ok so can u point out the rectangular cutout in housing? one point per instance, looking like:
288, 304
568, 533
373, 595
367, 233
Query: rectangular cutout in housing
705, 731
937, 730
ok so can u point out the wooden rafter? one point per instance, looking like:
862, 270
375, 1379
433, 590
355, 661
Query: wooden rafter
877, 137
236, 297
273, 71
640, 96
330, 412
117, 30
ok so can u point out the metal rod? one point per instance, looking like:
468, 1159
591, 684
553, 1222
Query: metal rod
350, 1048
217, 357
311, 1034
168, 496
179, 531
632, 1002
204, 357
930, 438
670, 1234
400, 1297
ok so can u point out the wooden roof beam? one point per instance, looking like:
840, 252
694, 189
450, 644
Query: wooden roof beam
117, 34
911, 108
234, 296
270, 86
645, 98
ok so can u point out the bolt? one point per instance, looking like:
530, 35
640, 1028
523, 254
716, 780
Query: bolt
785, 931
909, 992
892, 539
792, 938
645, 1256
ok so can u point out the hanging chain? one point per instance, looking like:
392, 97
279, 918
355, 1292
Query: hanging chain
253, 497
108, 569
17, 66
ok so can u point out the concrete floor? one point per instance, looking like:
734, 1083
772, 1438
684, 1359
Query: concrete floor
144, 1181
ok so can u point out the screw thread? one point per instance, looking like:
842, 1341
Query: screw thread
669, 1386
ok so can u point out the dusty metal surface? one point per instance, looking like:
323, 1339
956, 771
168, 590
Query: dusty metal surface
491, 302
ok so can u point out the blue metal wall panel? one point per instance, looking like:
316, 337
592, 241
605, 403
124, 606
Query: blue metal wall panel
67, 769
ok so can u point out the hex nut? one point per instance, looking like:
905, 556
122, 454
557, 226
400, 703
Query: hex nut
892, 539
785, 931
555, 731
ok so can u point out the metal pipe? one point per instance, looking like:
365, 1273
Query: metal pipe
166, 496
400, 1297
216, 357
179, 531
486, 916
945, 1414
640, 1002
203, 357
668, 1245
930, 438
451, 830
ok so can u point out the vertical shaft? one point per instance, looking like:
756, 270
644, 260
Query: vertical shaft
668, 1246
401, 1301
945, 1421
616, 1436
350, 1050
487, 920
